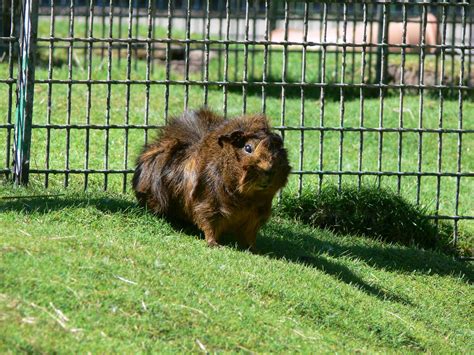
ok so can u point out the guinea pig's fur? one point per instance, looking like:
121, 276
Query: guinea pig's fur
219, 174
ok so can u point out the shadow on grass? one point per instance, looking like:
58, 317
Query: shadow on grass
282, 242
285, 243
254, 88
331, 91
56, 203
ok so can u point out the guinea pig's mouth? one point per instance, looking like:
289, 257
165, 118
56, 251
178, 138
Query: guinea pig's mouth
265, 180
264, 183
261, 180
263, 186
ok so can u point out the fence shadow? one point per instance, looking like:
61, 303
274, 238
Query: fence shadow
280, 241
288, 247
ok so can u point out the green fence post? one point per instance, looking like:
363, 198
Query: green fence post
25, 91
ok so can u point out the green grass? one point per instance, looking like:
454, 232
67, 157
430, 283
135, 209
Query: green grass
128, 281
363, 211
94, 272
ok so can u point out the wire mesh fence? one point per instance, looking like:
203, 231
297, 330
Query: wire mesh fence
363, 93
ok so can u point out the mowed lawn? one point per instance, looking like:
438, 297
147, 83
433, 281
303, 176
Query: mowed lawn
91, 271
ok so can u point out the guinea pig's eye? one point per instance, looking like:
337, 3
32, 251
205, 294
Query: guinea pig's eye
248, 148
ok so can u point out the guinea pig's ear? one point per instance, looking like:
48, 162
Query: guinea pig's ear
235, 138
276, 141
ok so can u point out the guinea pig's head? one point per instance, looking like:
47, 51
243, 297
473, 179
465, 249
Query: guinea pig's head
262, 160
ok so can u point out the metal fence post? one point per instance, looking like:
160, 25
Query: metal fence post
9, 25
25, 91
382, 39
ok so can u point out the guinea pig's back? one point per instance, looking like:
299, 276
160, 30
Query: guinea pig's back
192, 126
160, 177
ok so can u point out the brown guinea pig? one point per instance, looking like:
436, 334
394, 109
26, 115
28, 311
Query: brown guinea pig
219, 174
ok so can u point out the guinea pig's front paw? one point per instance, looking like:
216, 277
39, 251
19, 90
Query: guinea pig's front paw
213, 244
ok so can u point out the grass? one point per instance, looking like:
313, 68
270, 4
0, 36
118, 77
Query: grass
94, 272
364, 212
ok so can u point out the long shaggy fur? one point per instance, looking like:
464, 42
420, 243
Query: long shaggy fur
200, 170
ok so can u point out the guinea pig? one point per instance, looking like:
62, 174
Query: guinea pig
221, 175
